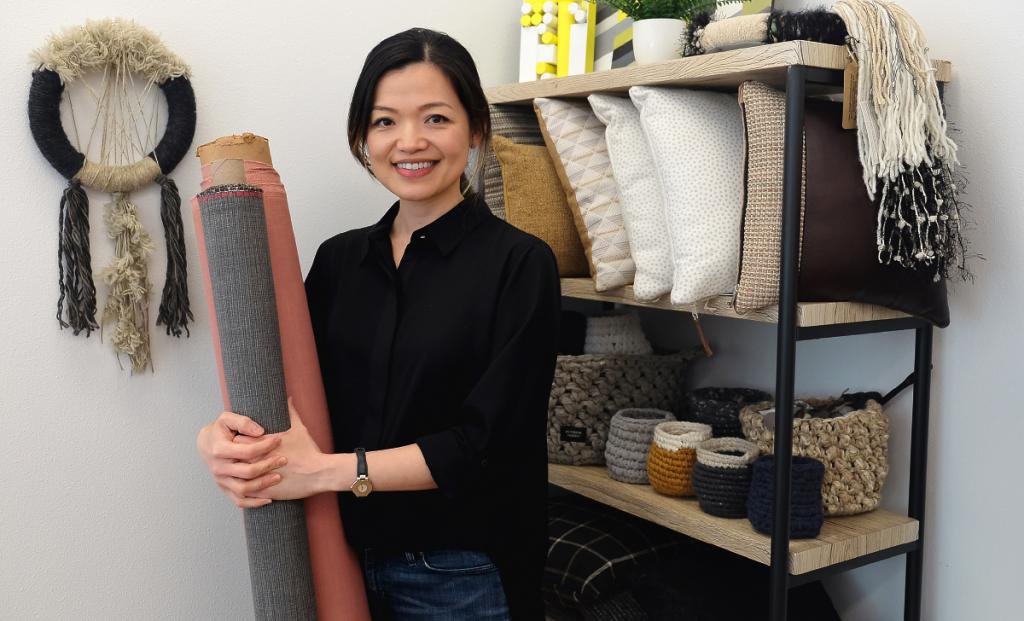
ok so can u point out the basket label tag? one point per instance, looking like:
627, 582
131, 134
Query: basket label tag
574, 434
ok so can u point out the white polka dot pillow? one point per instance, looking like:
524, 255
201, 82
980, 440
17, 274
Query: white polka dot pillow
696, 139
642, 204
575, 138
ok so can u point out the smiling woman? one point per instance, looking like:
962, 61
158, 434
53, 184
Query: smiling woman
436, 331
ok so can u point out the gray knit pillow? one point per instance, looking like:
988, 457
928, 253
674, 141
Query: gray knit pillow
629, 440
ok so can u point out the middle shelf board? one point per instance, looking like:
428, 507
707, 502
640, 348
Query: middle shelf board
841, 538
809, 314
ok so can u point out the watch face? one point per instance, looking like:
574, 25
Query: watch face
362, 487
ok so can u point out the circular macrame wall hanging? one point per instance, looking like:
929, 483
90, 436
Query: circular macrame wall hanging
121, 51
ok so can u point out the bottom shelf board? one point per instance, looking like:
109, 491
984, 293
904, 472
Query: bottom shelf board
841, 538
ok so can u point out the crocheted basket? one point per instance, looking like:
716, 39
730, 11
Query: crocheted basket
618, 333
629, 440
805, 510
588, 390
854, 448
672, 455
720, 408
721, 477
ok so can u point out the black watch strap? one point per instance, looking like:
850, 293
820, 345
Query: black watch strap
361, 470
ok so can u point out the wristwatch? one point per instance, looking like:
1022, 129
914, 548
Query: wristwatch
362, 486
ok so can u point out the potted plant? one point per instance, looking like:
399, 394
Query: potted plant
658, 24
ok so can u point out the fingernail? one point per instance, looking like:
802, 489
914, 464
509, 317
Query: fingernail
282, 461
275, 478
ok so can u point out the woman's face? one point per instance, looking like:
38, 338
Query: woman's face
419, 139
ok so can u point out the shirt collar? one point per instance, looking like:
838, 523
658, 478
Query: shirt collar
445, 232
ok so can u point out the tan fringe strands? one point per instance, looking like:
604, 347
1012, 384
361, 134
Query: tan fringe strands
854, 448
99, 43
128, 178
127, 305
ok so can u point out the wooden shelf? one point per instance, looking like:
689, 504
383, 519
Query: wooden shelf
841, 539
721, 70
808, 314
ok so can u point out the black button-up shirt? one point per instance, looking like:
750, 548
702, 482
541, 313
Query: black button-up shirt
454, 350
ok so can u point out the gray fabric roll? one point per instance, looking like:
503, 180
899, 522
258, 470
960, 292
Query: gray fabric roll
243, 296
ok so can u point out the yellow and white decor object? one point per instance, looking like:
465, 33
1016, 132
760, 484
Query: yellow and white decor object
581, 38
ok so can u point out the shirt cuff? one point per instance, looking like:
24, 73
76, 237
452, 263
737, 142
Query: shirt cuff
449, 465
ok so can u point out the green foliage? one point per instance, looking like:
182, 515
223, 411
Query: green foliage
678, 9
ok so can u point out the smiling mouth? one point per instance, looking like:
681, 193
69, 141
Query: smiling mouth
415, 169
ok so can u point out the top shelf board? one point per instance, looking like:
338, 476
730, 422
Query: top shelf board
721, 70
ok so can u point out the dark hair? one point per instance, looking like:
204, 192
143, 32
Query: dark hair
405, 48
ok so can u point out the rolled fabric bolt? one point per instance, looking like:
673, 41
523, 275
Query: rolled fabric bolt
551, 19
542, 28
526, 9
580, 17
242, 287
574, 7
536, 19
543, 68
525, 21
549, 39
537, 5
547, 76
550, 7
547, 53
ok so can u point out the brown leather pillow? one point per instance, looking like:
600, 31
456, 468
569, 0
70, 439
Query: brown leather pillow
839, 257
838, 260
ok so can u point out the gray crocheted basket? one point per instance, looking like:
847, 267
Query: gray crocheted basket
629, 440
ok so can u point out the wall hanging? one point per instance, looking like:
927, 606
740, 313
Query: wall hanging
121, 50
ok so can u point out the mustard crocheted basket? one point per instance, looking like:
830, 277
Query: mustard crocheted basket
588, 390
854, 447
672, 456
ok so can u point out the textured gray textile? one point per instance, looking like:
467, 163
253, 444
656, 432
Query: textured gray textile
243, 296
629, 439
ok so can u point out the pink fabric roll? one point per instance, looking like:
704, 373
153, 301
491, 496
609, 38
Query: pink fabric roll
338, 579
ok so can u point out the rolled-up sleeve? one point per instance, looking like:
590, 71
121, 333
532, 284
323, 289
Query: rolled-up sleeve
507, 407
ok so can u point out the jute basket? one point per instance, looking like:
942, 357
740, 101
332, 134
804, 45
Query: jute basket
672, 455
854, 448
588, 390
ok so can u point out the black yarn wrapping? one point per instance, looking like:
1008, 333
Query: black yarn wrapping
806, 511
44, 120
174, 305
74, 263
720, 408
820, 25
722, 491
181, 124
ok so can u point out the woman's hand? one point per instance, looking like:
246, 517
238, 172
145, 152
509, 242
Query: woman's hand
240, 458
307, 471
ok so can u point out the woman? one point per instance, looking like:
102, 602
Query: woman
436, 330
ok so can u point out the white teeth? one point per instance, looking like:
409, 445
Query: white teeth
414, 165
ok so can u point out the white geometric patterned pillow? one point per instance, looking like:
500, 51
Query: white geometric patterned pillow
643, 207
575, 139
696, 139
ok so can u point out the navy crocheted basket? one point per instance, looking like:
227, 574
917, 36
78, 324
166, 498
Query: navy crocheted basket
806, 511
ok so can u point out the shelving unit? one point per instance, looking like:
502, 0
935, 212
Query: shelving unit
801, 68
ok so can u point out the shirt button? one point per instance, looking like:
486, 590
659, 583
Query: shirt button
423, 236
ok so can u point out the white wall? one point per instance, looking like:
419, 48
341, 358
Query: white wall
105, 510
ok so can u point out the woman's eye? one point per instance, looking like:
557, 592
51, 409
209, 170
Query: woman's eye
382, 122
436, 119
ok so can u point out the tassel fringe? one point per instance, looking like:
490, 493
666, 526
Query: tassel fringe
127, 304
174, 305
74, 263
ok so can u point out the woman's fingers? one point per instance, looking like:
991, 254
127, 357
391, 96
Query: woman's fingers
246, 451
242, 488
247, 471
240, 424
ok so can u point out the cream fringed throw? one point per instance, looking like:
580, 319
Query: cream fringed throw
906, 152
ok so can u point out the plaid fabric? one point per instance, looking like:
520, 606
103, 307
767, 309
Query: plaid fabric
594, 550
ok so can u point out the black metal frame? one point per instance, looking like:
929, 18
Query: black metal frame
798, 77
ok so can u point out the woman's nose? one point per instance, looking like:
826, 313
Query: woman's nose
411, 138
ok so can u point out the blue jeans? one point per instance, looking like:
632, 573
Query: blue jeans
442, 585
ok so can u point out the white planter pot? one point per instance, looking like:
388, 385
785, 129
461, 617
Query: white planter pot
655, 40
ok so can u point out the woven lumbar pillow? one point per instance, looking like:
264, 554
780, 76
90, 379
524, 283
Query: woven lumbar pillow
535, 203
576, 141
643, 207
696, 137
518, 124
